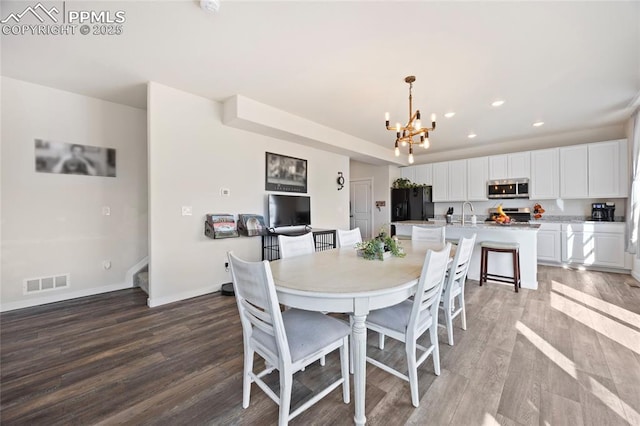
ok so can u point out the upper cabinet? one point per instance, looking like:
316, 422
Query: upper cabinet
509, 166
440, 191
424, 174
477, 177
408, 173
457, 180
574, 174
421, 174
608, 169
498, 167
450, 181
545, 176
519, 164
594, 170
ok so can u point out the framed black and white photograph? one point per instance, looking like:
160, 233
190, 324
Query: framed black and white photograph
74, 159
286, 174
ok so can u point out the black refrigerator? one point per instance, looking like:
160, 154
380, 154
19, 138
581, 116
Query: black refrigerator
411, 204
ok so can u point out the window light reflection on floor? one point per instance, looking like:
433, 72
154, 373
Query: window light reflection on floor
610, 309
612, 329
617, 405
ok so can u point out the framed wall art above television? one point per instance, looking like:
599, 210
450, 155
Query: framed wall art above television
286, 174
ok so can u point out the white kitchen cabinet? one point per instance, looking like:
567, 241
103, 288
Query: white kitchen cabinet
423, 174
509, 166
549, 243
477, 177
574, 176
519, 165
498, 167
408, 173
608, 169
594, 244
545, 175
440, 190
457, 180
450, 181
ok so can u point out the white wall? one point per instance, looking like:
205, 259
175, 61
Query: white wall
53, 224
383, 177
191, 156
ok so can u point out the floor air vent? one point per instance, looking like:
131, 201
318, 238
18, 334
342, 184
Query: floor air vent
36, 285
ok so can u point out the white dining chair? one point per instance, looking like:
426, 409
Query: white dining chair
454, 286
435, 235
349, 238
409, 320
291, 246
287, 341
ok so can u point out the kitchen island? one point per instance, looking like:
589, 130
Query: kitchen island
499, 263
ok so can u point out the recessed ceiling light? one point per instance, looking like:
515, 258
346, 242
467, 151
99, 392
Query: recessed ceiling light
472, 135
450, 114
497, 103
538, 123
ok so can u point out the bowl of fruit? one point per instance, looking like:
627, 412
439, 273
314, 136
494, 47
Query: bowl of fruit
501, 217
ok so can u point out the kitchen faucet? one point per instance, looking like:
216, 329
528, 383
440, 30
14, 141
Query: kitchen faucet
464, 204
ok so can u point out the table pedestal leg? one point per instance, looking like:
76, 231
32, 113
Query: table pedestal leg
359, 342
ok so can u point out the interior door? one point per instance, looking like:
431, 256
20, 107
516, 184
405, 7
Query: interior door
361, 200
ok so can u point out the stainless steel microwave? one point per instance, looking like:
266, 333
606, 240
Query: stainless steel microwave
508, 188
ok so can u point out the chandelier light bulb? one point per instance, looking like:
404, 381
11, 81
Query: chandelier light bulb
398, 127
417, 125
386, 116
397, 151
410, 158
427, 144
433, 118
404, 143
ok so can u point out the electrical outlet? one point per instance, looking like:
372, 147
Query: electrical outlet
187, 210
106, 264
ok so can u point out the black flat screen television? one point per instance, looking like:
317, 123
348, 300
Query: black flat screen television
289, 210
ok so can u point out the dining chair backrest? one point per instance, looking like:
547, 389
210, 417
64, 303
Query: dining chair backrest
435, 235
460, 265
296, 246
429, 291
257, 302
349, 238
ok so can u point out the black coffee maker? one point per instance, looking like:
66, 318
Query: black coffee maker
603, 212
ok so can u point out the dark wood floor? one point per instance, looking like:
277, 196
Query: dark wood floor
568, 353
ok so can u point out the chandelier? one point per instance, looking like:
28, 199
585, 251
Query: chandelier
405, 135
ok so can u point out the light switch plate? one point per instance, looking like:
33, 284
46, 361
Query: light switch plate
187, 211
225, 192
106, 211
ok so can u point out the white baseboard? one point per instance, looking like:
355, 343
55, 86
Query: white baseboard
636, 275
152, 302
27, 303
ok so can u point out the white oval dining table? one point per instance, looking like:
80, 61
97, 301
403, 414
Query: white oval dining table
338, 280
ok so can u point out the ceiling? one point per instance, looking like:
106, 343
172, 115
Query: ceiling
573, 65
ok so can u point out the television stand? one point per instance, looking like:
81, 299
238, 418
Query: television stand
325, 239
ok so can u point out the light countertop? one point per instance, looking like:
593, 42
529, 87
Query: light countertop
515, 226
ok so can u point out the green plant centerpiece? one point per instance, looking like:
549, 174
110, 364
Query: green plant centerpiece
378, 246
